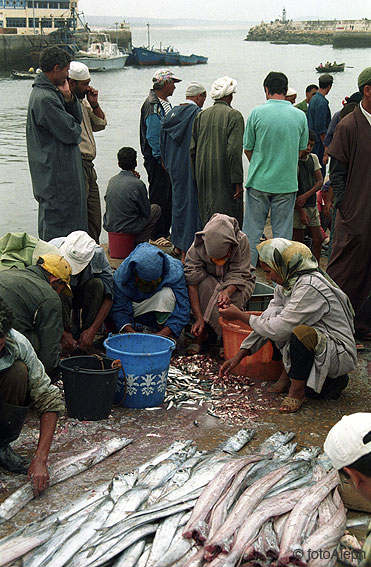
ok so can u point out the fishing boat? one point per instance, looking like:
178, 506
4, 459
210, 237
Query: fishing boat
168, 56
101, 54
331, 68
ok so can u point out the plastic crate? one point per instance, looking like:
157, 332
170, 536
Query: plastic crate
260, 298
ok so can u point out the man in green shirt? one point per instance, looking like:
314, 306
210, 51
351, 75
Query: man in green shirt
309, 92
348, 446
274, 134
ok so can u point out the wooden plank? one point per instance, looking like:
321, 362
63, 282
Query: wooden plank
352, 499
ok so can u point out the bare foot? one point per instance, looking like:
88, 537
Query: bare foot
282, 384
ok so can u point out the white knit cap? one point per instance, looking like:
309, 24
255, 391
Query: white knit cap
222, 87
78, 71
195, 89
345, 441
291, 92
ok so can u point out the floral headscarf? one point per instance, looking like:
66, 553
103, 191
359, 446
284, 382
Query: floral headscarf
289, 260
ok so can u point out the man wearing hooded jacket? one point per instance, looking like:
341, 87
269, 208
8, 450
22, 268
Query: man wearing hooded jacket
53, 135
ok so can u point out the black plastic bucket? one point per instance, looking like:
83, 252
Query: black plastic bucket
89, 386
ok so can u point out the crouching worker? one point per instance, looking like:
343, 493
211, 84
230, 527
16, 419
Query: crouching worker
218, 272
92, 289
150, 289
348, 446
309, 319
23, 382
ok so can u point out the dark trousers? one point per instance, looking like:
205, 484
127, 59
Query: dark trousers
92, 200
88, 299
159, 194
13, 401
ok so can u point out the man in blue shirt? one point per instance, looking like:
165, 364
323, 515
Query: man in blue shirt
274, 134
319, 116
154, 108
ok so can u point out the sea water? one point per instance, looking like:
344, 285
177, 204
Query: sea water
121, 94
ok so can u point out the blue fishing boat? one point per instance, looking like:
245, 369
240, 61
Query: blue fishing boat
200, 59
188, 60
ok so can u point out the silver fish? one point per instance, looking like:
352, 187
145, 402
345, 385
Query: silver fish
164, 536
178, 549
174, 448
234, 443
65, 469
10, 552
127, 504
130, 556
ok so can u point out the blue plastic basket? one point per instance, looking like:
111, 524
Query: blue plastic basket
146, 360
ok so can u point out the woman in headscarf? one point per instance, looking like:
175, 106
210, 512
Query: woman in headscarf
309, 319
218, 272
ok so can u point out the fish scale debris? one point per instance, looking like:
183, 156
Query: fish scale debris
196, 380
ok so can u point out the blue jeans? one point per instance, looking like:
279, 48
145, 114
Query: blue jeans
257, 205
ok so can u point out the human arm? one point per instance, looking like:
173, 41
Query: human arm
199, 325
235, 132
122, 308
302, 199
61, 120
240, 272
179, 318
87, 336
228, 365
238, 191
38, 471
193, 146
328, 197
248, 154
153, 124
338, 180
143, 202
92, 98
225, 295
48, 326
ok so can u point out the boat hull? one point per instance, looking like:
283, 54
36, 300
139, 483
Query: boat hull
103, 64
143, 56
337, 69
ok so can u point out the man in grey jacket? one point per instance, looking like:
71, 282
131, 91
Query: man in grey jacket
53, 134
128, 208
23, 381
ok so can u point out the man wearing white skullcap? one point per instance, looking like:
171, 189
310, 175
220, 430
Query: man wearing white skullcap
216, 154
93, 120
175, 139
291, 95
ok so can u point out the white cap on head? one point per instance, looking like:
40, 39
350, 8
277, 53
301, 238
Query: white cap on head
345, 441
195, 89
78, 249
222, 87
78, 71
291, 92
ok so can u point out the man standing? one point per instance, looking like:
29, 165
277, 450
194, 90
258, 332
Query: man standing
154, 108
309, 92
93, 120
32, 295
275, 133
175, 140
319, 117
350, 177
216, 154
53, 135
23, 381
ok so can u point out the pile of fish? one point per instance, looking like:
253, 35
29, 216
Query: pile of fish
193, 384
193, 508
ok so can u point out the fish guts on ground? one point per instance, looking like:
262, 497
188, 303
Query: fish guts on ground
194, 381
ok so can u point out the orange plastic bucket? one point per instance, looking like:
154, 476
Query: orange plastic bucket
260, 365
120, 244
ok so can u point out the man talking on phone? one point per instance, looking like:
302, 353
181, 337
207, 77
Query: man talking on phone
93, 120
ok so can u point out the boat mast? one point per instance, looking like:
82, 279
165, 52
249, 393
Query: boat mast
148, 41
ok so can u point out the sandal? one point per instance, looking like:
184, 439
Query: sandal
291, 405
162, 241
193, 348
282, 385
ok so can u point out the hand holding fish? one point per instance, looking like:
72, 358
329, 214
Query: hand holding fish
38, 475
228, 365
230, 312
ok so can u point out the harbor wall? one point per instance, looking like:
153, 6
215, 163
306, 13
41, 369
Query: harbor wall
352, 39
283, 33
22, 51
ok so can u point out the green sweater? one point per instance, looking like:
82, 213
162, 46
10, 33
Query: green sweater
303, 105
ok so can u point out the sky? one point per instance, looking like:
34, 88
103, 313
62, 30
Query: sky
243, 10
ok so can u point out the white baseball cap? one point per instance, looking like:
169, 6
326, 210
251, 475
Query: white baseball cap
78, 249
78, 71
345, 441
